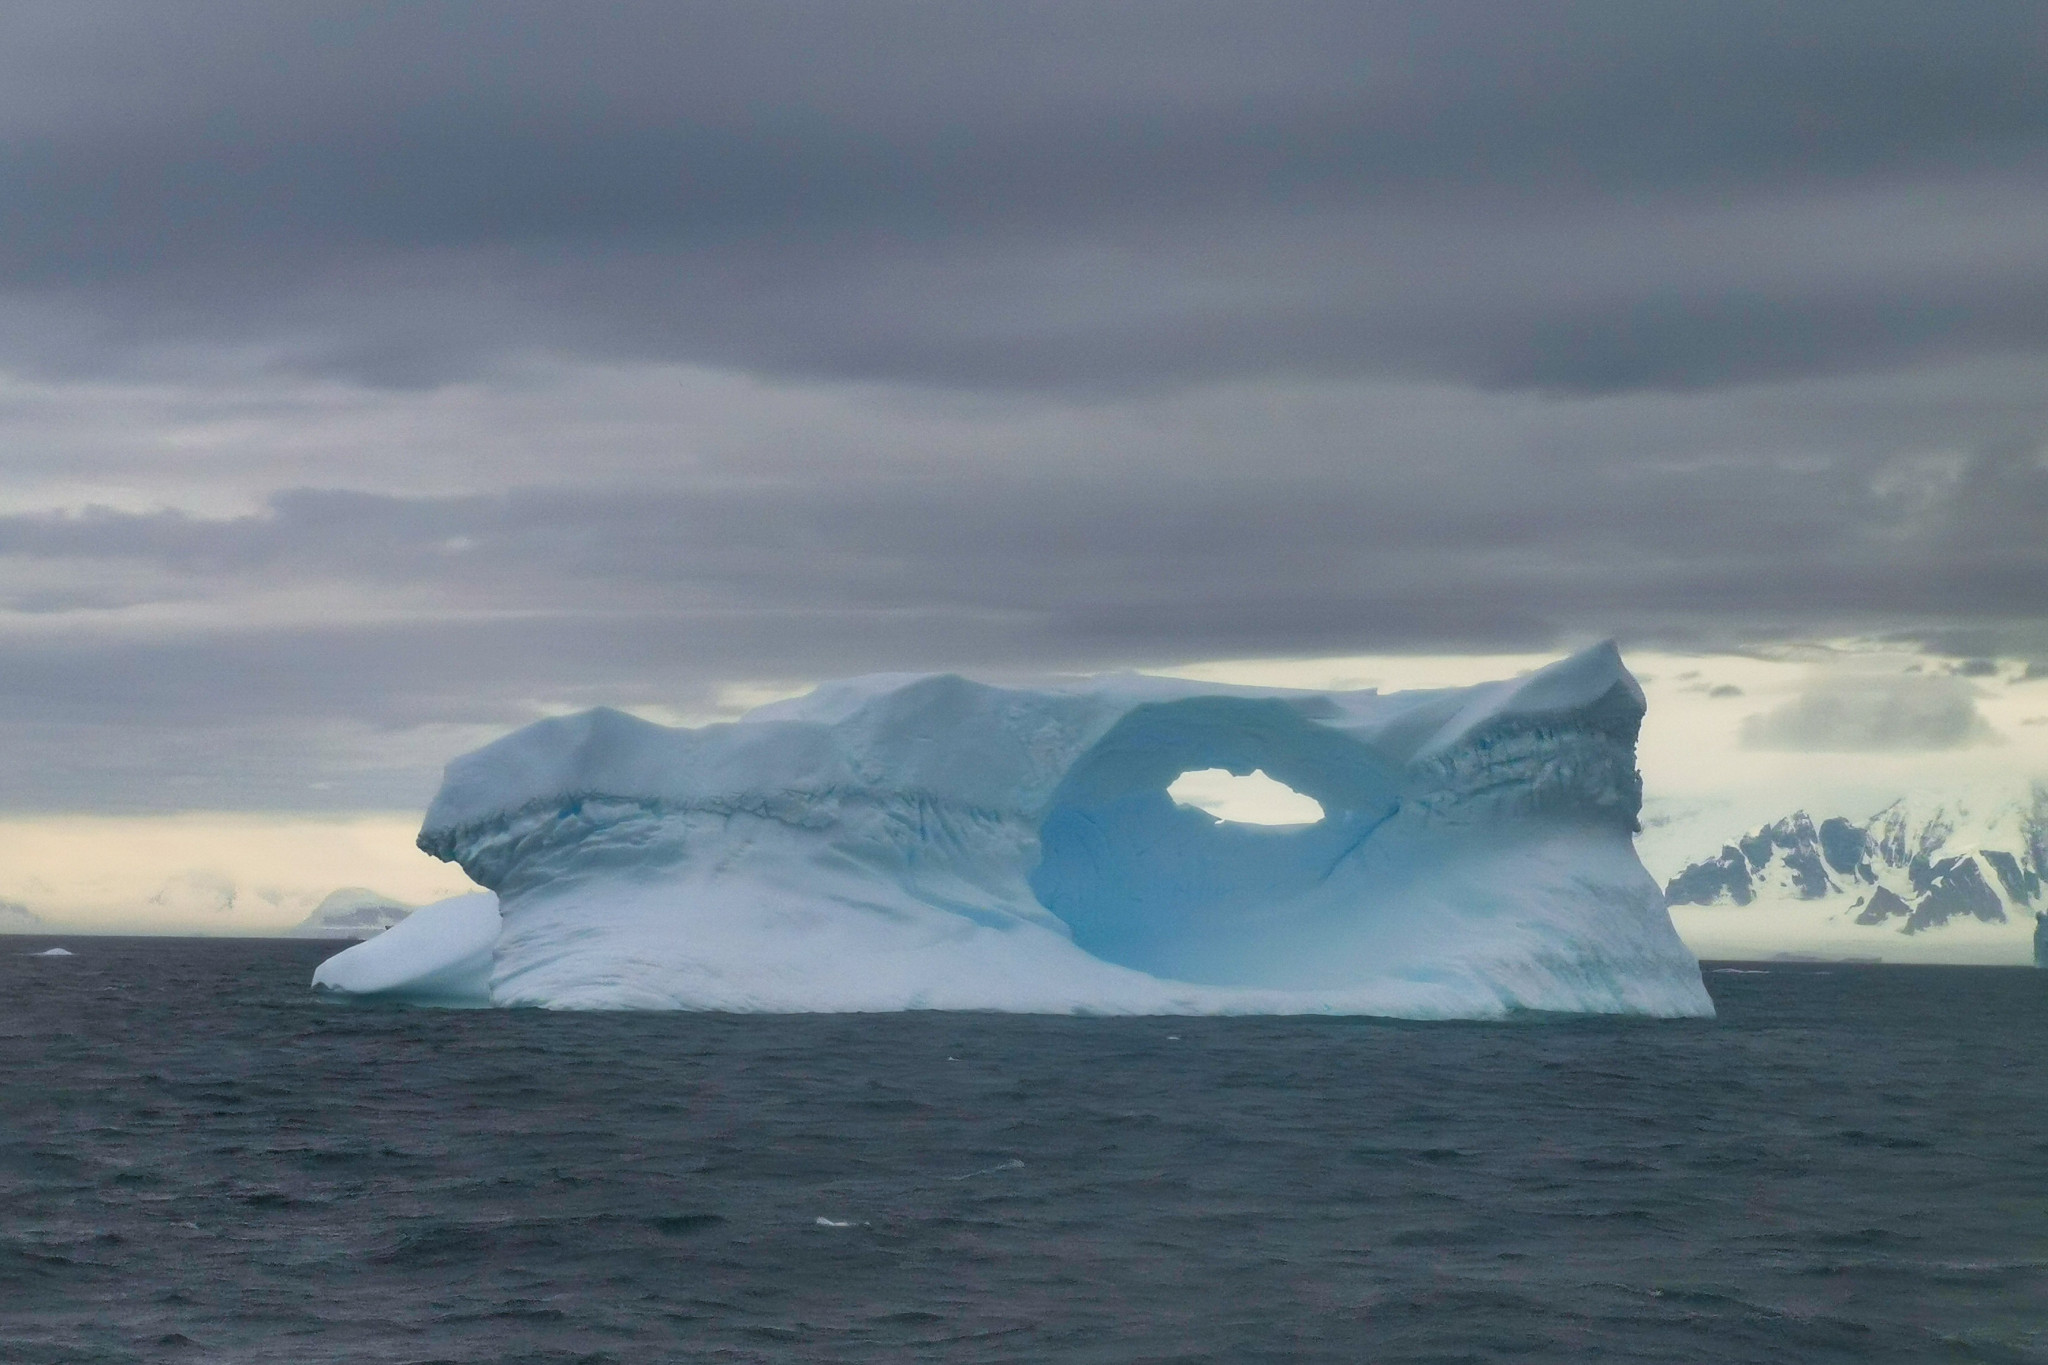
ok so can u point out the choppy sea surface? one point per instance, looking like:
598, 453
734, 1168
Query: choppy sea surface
200, 1162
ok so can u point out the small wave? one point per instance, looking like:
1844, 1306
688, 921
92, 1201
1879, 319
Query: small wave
1013, 1164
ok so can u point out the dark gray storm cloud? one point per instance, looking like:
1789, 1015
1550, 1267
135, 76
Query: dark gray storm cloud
373, 376
1048, 195
659, 593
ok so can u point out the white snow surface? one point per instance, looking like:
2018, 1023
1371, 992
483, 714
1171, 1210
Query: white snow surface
440, 954
928, 842
52, 952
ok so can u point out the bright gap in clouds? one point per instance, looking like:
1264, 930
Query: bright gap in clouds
1255, 799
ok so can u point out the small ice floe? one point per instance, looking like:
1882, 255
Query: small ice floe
1740, 971
53, 952
1013, 1164
834, 1223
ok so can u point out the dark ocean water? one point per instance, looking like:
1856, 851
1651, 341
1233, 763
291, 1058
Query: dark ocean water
198, 1162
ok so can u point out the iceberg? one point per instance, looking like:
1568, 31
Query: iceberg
440, 954
929, 842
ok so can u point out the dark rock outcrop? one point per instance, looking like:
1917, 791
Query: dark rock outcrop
1846, 848
1950, 887
1706, 882
1885, 904
2021, 883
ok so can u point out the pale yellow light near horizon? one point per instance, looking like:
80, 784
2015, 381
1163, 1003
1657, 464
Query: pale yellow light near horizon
209, 872
232, 872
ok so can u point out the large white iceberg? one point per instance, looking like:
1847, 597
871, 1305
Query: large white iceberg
927, 842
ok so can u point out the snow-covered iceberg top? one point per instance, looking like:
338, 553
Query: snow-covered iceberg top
930, 842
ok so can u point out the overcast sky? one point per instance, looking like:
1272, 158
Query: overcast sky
377, 377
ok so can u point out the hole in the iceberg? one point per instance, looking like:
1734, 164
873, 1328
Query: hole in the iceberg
1134, 860
1253, 799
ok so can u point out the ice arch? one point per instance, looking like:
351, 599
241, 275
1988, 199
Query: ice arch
1145, 882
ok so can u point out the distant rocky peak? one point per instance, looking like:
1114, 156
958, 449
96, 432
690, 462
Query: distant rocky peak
1795, 844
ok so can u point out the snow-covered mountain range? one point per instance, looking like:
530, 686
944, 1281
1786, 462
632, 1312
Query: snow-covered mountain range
1921, 879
